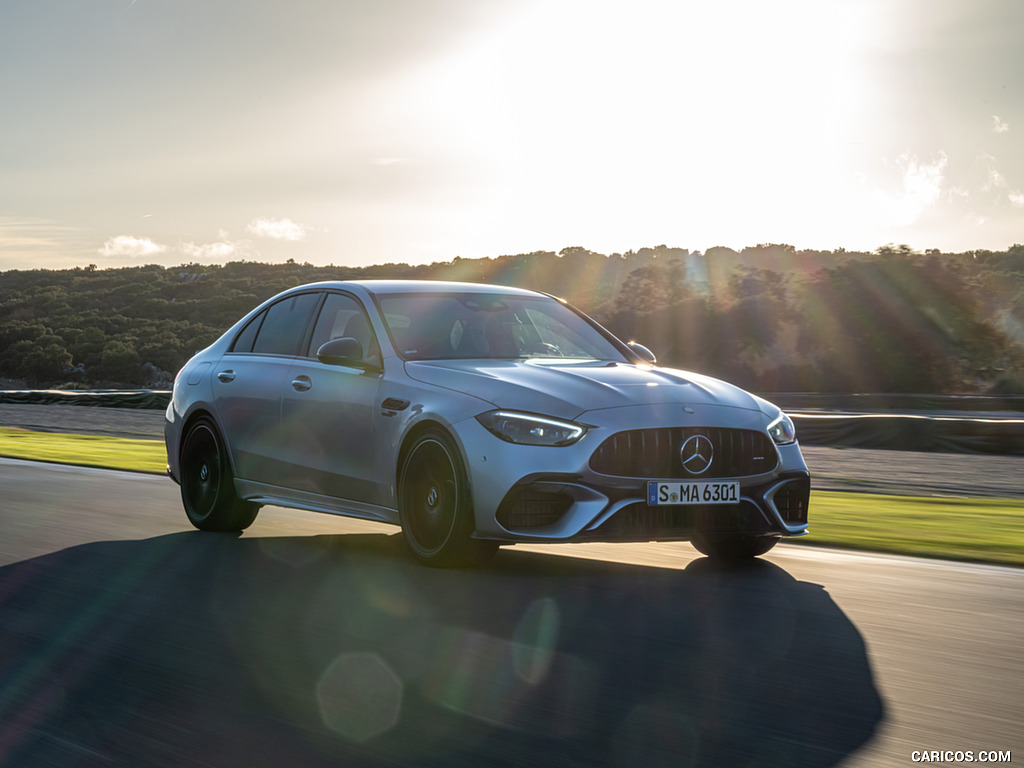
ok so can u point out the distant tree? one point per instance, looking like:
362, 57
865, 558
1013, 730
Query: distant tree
46, 365
652, 287
119, 362
12, 361
766, 316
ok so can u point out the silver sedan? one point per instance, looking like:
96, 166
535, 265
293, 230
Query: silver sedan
474, 416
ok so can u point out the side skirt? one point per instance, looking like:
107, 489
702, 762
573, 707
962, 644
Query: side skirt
264, 494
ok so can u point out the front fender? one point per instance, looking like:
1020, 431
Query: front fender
427, 406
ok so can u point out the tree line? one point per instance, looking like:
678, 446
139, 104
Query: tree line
768, 317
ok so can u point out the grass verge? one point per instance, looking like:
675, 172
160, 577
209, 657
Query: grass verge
84, 450
979, 530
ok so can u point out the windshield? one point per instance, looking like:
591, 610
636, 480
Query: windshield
492, 326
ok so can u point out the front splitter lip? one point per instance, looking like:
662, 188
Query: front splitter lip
594, 504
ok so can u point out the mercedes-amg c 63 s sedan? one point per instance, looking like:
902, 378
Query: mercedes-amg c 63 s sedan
474, 416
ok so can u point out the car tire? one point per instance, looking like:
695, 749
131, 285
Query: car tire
434, 505
722, 547
207, 485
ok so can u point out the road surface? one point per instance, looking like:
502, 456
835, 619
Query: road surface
127, 638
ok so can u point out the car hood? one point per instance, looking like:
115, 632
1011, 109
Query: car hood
572, 389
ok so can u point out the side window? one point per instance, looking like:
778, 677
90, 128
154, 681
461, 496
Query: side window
341, 316
244, 340
285, 323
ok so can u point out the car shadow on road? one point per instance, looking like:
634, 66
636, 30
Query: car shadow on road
219, 650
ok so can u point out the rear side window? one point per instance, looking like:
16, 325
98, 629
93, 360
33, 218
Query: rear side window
244, 340
283, 327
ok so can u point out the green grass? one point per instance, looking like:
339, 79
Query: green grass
980, 530
85, 450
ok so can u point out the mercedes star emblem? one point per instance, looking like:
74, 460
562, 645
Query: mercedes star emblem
696, 454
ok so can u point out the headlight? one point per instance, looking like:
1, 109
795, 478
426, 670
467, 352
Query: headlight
782, 430
525, 429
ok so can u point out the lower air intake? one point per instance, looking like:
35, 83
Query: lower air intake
792, 500
526, 508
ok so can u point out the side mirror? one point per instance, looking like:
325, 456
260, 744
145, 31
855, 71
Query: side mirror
643, 353
343, 351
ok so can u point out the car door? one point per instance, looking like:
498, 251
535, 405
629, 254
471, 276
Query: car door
328, 412
249, 381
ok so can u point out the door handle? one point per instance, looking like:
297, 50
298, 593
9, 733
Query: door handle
226, 376
301, 383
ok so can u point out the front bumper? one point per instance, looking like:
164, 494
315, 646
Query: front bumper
539, 493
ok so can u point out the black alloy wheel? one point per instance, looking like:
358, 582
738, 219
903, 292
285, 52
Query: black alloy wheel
207, 487
434, 505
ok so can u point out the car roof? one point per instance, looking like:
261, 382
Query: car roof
386, 287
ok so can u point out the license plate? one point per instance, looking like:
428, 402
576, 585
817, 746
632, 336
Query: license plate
692, 493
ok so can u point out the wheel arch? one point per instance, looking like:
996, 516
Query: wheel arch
426, 425
191, 419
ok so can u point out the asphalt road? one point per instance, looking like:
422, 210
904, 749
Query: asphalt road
128, 639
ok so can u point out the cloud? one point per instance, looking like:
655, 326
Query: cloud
998, 125
127, 245
922, 182
278, 229
995, 180
221, 250
209, 251
18, 234
920, 187
1017, 199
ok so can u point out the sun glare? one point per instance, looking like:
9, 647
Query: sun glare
693, 122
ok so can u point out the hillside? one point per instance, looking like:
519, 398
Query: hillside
769, 317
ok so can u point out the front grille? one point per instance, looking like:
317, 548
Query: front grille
791, 501
530, 508
640, 522
654, 453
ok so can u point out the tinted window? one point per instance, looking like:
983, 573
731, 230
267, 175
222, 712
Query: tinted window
244, 340
284, 326
342, 316
449, 326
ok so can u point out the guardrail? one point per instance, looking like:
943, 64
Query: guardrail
150, 399
881, 402
912, 432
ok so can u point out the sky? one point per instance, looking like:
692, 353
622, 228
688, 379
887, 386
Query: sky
356, 132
